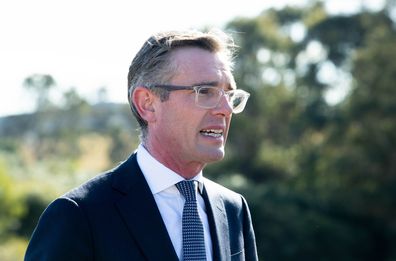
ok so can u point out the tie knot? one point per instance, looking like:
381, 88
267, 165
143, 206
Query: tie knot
187, 189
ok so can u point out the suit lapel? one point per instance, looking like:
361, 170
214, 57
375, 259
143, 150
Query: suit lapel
217, 222
137, 207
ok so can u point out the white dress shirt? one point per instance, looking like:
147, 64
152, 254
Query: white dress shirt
170, 202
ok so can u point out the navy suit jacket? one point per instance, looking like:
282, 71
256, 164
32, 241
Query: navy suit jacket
114, 217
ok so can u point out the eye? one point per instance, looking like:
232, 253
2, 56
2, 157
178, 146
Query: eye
208, 91
230, 94
204, 90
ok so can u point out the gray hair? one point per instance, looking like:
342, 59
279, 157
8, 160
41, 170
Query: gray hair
152, 66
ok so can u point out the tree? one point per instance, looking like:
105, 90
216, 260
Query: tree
320, 177
40, 85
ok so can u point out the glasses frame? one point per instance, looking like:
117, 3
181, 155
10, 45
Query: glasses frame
196, 88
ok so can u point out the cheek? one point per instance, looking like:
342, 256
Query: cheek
177, 122
181, 118
183, 112
185, 123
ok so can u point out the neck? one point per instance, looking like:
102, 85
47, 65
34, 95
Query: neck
187, 170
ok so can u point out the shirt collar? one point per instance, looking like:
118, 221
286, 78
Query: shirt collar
157, 175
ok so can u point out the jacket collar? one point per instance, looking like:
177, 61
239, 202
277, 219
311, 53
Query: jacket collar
217, 218
138, 209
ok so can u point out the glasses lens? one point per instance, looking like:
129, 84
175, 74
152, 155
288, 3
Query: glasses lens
238, 100
208, 96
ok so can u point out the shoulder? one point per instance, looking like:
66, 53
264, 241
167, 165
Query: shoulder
90, 193
210, 184
105, 186
91, 188
229, 197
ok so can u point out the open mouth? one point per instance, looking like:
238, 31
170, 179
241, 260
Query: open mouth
212, 133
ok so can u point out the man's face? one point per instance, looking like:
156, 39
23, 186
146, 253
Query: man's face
184, 133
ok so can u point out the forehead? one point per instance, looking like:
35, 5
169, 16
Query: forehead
197, 65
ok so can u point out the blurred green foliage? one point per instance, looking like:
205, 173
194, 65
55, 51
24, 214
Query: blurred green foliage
319, 175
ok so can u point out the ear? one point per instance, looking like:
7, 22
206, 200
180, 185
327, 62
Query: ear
143, 100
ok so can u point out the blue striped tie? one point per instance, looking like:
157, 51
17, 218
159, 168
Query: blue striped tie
193, 233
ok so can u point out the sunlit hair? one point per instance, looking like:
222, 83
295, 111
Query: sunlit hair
152, 64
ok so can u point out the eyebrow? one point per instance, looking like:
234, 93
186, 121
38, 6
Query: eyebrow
215, 84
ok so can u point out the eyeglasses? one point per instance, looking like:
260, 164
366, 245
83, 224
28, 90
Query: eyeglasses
208, 97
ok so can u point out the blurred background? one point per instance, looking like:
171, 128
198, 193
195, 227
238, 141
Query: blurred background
314, 152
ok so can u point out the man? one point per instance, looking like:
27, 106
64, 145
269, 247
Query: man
182, 92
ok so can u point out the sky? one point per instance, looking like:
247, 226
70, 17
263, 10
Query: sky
89, 44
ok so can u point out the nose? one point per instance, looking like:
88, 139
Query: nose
223, 107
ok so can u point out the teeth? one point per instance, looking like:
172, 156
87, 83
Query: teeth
212, 133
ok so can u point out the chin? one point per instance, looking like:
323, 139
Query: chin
214, 156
